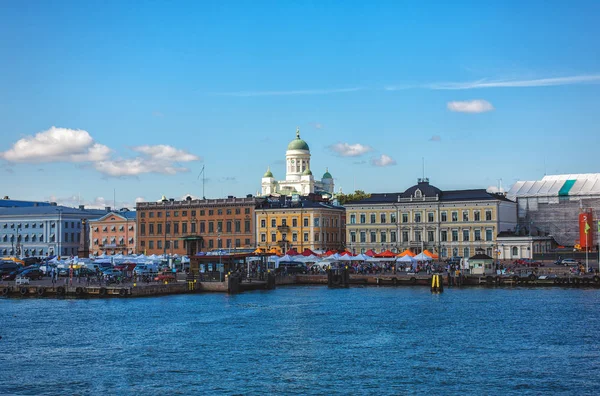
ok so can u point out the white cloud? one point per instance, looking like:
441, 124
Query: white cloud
435, 138
470, 106
350, 150
383, 160
540, 82
288, 93
140, 199
137, 166
166, 153
57, 145
96, 203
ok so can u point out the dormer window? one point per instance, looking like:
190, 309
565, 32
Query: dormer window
418, 194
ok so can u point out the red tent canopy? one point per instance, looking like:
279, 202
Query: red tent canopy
386, 254
292, 252
370, 253
307, 252
346, 253
329, 253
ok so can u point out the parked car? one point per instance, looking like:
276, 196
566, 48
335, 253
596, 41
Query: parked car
31, 274
11, 276
6, 267
568, 262
165, 277
111, 272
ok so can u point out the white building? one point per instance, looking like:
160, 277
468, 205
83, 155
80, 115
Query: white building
298, 177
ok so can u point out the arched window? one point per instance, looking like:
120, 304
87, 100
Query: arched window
418, 193
455, 252
515, 251
466, 252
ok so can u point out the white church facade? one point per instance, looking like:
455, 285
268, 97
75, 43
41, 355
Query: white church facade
298, 177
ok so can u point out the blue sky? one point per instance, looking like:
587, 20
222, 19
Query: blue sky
481, 90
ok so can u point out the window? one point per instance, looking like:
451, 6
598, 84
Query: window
219, 226
454, 216
246, 225
393, 217
454, 235
363, 218
284, 222
383, 237
184, 228
353, 218
66, 224
317, 237
466, 252
405, 217
417, 217
372, 218
247, 211
353, 237
211, 212
159, 244
317, 221
306, 222
238, 226
477, 235
201, 213
193, 225
219, 212
211, 244
294, 237
488, 215
465, 215
228, 211
392, 236
363, 237
247, 241
273, 237
306, 237
466, 235
263, 223
238, 211
444, 236
150, 244
488, 235
159, 214
202, 227
273, 223
430, 236
418, 236
515, 251
211, 227
66, 237
238, 242
159, 228
294, 222
263, 238
477, 215
228, 226
382, 218
404, 236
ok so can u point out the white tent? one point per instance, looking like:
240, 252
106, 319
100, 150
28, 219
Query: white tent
361, 257
422, 257
287, 259
346, 258
405, 259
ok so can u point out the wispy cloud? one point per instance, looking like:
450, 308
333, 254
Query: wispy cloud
289, 93
435, 138
383, 160
157, 113
540, 82
316, 125
350, 150
470, 106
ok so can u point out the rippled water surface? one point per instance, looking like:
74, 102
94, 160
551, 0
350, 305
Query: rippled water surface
306, 340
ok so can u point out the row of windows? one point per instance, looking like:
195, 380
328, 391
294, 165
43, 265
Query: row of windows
317, 221
113, 241
417, 236
419, 217
184, 213
231, 226
229, 243
68, 224
325, 237
113, 228
27, 252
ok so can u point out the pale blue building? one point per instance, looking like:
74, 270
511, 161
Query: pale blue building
40, 231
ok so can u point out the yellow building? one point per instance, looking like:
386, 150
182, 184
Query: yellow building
284, 223
450, 223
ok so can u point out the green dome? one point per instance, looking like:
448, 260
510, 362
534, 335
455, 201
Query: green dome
327, 175
307, 172
268, 173
298, 144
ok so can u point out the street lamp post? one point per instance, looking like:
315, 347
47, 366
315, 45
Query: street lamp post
165, 201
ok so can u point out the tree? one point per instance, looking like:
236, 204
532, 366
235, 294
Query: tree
356, 196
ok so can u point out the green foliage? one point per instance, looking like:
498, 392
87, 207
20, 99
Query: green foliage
356, 196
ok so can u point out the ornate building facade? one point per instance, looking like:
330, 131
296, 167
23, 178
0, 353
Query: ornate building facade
450, 223
298, 177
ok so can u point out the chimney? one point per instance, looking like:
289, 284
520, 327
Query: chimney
52, 203
81, 207
107, 208
6, 197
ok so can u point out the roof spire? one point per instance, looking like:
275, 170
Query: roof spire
297, 132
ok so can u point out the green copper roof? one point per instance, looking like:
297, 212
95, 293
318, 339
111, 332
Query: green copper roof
268, 173
307, 172
298, 144
327, 175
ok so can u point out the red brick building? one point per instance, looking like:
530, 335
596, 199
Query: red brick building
195, 225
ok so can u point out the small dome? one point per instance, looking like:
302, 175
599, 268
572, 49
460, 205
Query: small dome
422, 188
307, 172
268, 173
298, 144
327, 175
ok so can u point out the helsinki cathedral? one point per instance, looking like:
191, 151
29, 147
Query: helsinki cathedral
298, 176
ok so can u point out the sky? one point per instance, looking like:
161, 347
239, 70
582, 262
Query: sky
132, 100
